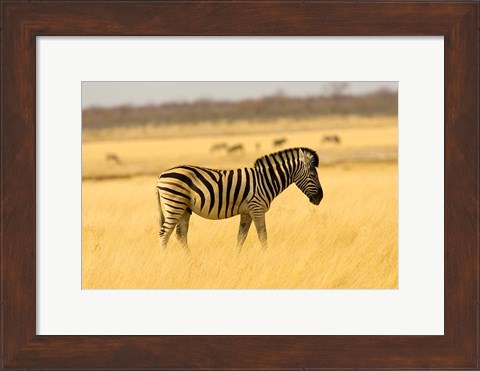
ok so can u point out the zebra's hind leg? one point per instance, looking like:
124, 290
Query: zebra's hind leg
245, 222
165, 233
171, 220
259, 220
182, 228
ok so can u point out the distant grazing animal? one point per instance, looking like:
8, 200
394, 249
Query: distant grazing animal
236, 148
257, 145
218, 146
220, 194
331, 138
114, 158
279, 142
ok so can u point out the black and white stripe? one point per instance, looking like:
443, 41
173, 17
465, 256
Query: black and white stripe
220, 194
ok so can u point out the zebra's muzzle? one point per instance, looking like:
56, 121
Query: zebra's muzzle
316, 199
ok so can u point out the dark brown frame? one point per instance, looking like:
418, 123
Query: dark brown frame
22, 21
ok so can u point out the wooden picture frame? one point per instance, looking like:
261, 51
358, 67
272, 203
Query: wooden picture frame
23, 21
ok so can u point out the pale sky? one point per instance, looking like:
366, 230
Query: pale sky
108, 94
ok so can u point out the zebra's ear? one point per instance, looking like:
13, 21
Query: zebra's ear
302, 156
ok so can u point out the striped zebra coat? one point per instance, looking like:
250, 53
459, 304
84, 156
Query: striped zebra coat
220, 194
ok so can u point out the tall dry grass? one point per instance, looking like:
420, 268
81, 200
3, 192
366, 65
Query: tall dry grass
348, 241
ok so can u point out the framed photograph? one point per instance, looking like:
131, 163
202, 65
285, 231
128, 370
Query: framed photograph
225, 185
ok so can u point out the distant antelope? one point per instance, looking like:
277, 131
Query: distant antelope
279, 142
114, 158
218, 146
331, 138
248, 192
236, 148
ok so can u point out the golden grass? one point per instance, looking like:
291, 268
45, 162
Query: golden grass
348, 241
153, 155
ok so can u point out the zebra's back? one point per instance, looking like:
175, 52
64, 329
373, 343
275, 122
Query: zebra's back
212, 194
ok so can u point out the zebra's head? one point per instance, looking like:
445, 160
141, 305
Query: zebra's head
306, 177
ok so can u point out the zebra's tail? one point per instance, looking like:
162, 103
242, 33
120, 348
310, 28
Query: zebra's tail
162, 217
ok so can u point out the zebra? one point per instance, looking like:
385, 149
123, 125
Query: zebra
220, 194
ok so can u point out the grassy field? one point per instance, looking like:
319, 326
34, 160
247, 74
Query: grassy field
349, 241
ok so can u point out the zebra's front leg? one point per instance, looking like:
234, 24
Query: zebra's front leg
182, 229
259, 220
245, 222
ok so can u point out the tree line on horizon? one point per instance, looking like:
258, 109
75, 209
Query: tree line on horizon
272, 107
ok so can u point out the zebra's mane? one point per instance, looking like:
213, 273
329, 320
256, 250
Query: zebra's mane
293, 151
